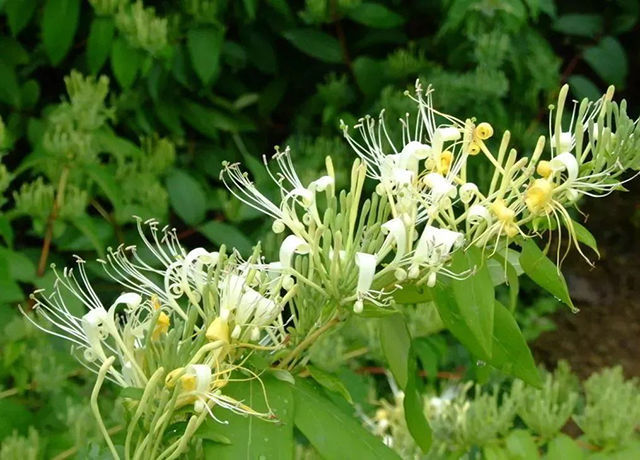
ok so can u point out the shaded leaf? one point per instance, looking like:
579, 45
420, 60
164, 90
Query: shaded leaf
544, 272
317, 44
474, 294
222, 233
583, 25
99, 43
19, 13
250, 437
609, 60
395, 342
413, 405
125, 62
375, 15
187, 197
204, 45
59, 23
330, 381
332, 432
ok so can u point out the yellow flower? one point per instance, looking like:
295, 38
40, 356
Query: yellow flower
506, 216
544, 168
538, 196
218, 330
162, 326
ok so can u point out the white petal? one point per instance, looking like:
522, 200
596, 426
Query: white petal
396, 229
566, 162
291, 245
416, 150
467, 192
448, 134
130, 299
366, 264
477, 214
321, 184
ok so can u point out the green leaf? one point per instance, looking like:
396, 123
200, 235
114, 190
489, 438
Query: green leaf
125, 62
333, 433
9, 88
585, 237
510, 353
413, 294
475, 295
19, 13
428, 354
370, 74
330, 381
21, 268
375, 15
187, 197
544, 272
104, 177
222, 233
395, 342
131, 393
413, 405
207, 120
15, 416
99, 43
29, 94
583, 25
609, 60
251, 437
510, 276
85, 224
204, 45
562, 447
582, 87
492, 452
59, 23
521, 446
317, 44
10, 291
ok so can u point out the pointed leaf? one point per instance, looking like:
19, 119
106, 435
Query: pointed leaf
375, 15
395, 341
414, 407
330, 381
317, 44
250, 437
334, 434
99, 43
544, 272
59, 23
125, 62
187, 197
204, 44
474, 294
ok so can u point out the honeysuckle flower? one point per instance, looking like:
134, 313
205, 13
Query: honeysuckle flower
366, 264
434, 247
468, 192
396, 232
97, 335
292, 245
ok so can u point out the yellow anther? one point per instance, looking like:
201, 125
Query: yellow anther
218, 330
474, 148
188, 382
162, 326
538, 195
172, 377
483, 131
544, 168
446, 158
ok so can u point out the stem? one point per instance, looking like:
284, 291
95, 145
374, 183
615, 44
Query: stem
96, 410
48, 236
308, 341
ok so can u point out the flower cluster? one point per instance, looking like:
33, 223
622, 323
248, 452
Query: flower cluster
188, 322
426, 206
181, 330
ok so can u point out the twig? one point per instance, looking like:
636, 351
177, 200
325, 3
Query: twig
308, 341
48, 236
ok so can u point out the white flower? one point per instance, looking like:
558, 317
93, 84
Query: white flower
291, 245
366, 264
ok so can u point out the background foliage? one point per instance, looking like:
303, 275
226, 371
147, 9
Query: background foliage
113, 108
